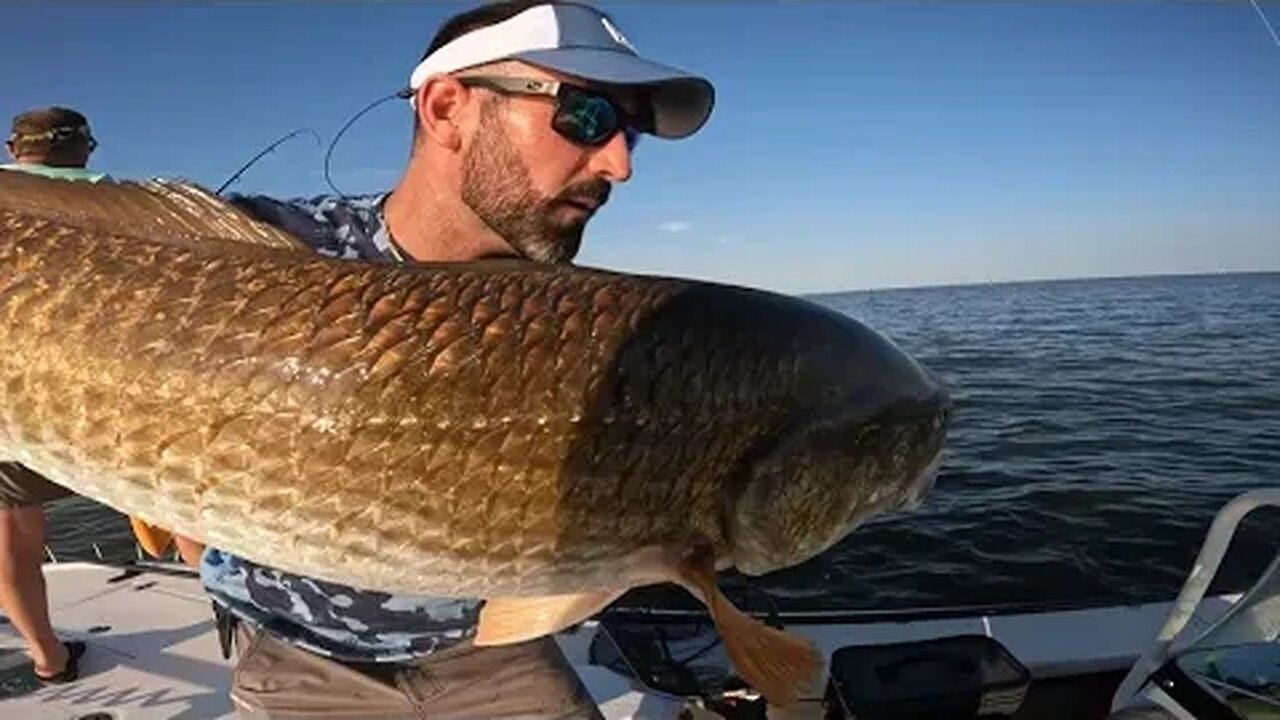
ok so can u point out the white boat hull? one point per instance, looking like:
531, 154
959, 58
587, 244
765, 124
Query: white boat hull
154, 652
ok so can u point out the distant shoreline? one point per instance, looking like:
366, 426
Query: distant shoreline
1042, 281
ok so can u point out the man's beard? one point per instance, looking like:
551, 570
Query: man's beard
497, 187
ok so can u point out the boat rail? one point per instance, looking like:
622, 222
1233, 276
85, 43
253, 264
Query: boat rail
1217, 540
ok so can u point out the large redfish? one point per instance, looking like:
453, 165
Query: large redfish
542, 437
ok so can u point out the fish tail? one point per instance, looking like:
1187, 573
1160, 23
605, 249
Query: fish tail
777, 664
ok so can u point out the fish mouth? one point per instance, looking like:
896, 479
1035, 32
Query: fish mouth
923, 484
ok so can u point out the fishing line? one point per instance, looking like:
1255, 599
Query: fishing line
1266, 22
403, 94
243, 168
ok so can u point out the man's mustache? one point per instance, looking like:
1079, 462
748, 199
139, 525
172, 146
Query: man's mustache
597, 191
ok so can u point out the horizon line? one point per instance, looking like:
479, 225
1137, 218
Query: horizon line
1040, 281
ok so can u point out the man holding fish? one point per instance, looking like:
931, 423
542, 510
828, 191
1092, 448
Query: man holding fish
526, 115
418, 464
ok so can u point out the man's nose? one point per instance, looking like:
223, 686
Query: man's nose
612, 161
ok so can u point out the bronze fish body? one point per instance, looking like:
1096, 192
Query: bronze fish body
551, 435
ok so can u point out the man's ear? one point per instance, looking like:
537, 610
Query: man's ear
8, 146
440, 102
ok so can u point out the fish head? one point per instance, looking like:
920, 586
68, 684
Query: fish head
869, 444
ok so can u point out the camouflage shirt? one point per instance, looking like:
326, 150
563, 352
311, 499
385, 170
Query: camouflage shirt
330, 619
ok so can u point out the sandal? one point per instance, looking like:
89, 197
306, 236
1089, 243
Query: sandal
75, 648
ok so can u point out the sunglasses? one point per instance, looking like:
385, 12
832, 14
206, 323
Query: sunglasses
56, 136
581, 116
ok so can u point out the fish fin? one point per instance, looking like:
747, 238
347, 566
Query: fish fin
154, 539
504, 621
777, 664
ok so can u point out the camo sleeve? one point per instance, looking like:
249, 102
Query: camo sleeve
334, 226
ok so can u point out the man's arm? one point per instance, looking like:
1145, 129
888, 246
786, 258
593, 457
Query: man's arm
334, 226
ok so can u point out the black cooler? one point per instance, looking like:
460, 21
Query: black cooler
954, 678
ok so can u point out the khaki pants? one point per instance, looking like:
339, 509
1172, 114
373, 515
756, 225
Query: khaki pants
273, 679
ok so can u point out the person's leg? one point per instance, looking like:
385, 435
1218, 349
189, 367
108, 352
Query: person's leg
23, 596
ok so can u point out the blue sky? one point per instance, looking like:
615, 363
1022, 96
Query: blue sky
853, 145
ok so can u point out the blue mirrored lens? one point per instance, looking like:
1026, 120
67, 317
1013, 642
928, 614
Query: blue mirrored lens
588, 119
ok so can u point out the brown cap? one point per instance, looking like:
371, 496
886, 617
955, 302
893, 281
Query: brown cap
51, 125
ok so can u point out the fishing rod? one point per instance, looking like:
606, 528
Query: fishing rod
1266, 22
403, 94
268, 149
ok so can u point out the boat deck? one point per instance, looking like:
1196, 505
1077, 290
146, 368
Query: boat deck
153, 653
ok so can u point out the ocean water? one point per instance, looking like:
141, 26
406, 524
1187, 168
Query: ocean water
1099, 425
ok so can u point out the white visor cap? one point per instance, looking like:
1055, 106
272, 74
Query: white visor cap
581, 41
